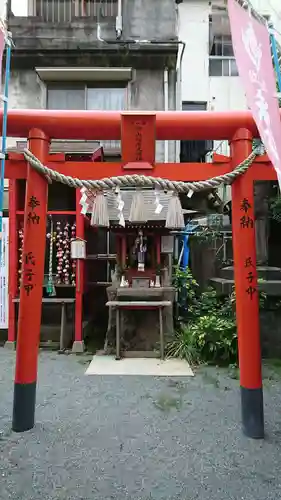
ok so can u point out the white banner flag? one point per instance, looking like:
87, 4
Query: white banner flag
4, 275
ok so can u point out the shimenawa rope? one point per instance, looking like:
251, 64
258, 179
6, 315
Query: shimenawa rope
141, 181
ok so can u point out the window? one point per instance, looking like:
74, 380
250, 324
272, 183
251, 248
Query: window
194, 106
222, 47
103, 97
194, 151
221, 60
68, 97
222, 67
78, 97
221, 55
111, 99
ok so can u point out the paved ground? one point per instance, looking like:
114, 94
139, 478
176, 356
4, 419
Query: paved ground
137, 438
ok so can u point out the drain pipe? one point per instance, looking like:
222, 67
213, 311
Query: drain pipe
179, 89
119, 21
166, 108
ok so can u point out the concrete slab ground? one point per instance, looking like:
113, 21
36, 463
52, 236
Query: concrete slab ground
107, 365
136, 437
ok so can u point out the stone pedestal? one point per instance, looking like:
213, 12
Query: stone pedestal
10, 345
110, 337
78, 347
168, 314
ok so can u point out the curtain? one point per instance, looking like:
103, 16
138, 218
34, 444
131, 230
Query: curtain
66, 98
106, 99
71, 97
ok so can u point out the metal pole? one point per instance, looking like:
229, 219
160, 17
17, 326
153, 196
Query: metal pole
4, 132
275, 56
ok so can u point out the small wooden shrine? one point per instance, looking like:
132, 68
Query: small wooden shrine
142, 274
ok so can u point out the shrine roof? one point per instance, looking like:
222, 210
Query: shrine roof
149, 199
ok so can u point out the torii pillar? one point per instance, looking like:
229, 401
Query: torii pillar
31, 288
246, 287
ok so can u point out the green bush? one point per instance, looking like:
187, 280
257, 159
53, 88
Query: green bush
184, 345
205, 323
211, 338
206, 327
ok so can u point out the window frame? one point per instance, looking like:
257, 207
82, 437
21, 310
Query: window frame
194, 105
100, 85
224, 41
109, 145
221, 49
232, 72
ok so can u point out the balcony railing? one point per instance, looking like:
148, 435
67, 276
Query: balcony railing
67, 11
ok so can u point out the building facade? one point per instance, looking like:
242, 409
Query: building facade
209, 72
94, 54
86, 55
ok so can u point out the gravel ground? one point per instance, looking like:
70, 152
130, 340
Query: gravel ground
137, 438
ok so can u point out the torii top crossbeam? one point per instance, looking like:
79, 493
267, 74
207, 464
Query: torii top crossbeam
170, 125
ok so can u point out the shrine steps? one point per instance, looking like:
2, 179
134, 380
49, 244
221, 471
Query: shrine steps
270, 282
264, 273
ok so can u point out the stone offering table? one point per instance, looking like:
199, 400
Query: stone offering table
119, 305
139, 326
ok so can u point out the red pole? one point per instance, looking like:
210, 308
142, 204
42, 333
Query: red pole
106, 125
29, 322
78, 345
247, 297
13, 264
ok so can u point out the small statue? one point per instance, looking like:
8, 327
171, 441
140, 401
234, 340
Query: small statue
140, 249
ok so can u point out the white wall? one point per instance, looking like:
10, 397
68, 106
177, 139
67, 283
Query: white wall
193, 27
220, 93
3, 9
20, 7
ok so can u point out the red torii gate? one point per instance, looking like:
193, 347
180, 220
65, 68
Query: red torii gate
138, 133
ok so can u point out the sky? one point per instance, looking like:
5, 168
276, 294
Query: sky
19, 7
